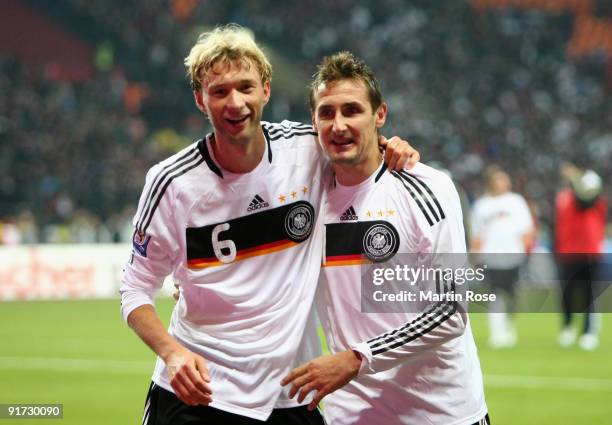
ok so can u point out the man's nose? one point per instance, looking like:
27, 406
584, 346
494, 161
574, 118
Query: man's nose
339, 124
235, 100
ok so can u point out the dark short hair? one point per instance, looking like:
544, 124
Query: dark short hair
345, 66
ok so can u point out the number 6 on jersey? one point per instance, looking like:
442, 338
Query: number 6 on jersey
218, 245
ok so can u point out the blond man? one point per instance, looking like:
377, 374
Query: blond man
236, 219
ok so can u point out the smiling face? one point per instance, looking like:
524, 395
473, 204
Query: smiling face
346, 123
233, 97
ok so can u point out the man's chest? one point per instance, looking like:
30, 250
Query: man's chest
367, 228
233, 222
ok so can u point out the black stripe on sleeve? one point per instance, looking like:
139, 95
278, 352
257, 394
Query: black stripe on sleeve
419, 327
387, 336
425, 199
292, 134
159, 179
429, 191
414, 196
178, 173
279, 128
430, 319
267, 137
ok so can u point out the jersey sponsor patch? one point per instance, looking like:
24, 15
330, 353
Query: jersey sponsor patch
349, 215
249, 236
140, 241
362, 242
257, 203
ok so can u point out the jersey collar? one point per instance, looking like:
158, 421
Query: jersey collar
206, 151
370, 181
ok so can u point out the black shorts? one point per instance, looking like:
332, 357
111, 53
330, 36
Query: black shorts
484, 421
164, 408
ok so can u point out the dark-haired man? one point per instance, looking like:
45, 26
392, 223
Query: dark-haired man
385, 368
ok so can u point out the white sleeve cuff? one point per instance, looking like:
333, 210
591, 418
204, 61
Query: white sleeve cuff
366, 357
131, 300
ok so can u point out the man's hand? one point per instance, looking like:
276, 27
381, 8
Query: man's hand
398, 153
187, 371
325, 374
188, 376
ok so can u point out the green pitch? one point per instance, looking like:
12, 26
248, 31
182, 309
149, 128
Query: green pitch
81, 354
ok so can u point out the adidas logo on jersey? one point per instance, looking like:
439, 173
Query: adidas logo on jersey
349, 215
257, 203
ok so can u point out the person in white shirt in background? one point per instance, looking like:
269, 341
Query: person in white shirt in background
502, 232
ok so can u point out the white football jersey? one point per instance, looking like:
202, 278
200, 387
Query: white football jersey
501, 222
246, 252
417, 367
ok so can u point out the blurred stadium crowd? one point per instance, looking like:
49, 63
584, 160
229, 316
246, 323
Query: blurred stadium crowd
468, 86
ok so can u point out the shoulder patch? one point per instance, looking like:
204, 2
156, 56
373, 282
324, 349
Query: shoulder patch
140, 241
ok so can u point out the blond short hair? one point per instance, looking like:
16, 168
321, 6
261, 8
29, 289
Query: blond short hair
225, 44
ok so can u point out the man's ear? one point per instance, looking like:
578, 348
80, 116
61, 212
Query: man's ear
267, 88
199, 100
381, 115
